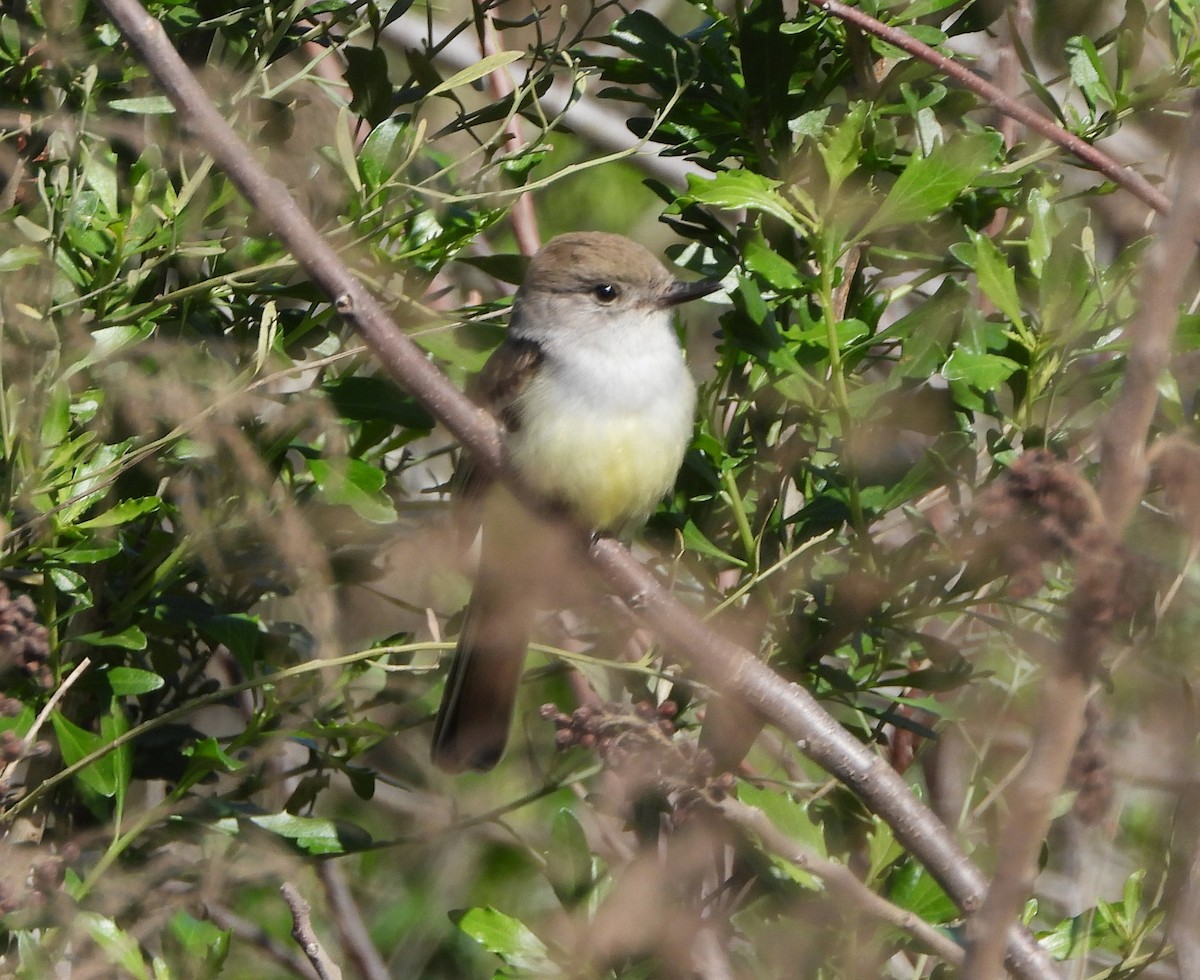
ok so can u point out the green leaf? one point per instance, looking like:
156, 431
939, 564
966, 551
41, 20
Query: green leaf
354, 484
931, 183
146, 105
209, 751
478, 70
882, 848
314, 835
395, 12
74, 743
505, 266
10, 37
201, 943
809, 124
781, 811
113, 725
344, 143
652, 43
106, 342
734, 190
123, 513
915, 890
19, 723
841, 148
85, 553
998, 283
694, 540
791, 817
764, 261
1041, 233
101, 175
205, 757
1087, 71
508, 938
20, 256
383, 150
371, 398
131, 680
984, 372
362, 781
130, 638
240, 632
119, 947
568, 859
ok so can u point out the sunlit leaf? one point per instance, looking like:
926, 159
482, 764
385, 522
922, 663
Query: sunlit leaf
481, 68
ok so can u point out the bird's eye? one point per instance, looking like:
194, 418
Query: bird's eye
605, 292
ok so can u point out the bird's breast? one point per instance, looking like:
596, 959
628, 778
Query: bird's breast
607, 447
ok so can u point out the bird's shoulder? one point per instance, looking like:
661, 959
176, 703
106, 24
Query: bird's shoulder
498, 387
506, 375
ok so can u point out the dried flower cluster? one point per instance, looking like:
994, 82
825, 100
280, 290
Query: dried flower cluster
1040, 510
1091, 773
1175, 466
24, 642
636, 743
30, 885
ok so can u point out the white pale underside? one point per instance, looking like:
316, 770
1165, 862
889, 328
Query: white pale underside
605, 431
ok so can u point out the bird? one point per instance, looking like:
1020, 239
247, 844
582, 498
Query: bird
597, 406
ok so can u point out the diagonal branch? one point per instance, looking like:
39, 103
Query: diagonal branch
844, 886
1119, 174
728, 666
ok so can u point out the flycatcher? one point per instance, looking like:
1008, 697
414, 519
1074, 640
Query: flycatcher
597, 406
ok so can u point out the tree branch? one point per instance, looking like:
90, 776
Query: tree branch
500, 86
302, 932
1119, 174
261, 940
839, 879
1125, 431
729, 667
1123, 475
348, 920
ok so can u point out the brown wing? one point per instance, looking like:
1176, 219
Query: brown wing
496, 388
505, 376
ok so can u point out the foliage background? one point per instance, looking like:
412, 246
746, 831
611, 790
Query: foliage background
213, 495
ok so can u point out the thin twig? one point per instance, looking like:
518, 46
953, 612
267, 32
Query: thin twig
1008, 77
840, 880
40, 720
348, 920
730, 667
709, 959
1119, 174
587, 116
302, 932
500, 86
257, 937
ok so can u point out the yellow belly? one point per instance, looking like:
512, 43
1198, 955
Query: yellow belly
609, 471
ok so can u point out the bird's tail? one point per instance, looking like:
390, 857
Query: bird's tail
476, 712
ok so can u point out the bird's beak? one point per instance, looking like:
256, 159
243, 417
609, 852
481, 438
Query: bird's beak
683, 292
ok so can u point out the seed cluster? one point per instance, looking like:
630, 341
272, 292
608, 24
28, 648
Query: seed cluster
637, 742
24, 642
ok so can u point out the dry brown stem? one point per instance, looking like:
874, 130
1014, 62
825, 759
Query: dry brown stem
302, 932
